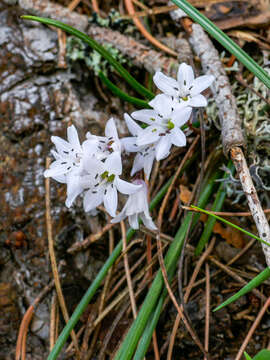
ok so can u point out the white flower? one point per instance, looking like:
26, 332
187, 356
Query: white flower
102, 146
137, 206
103, 182
67, 166
164, 123
145, 154
186, 89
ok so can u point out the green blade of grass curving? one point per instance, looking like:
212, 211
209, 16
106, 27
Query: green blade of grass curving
247, 356
217, 206
230, 224
258, 280
130, 343
224, 40
94, 45
121, 94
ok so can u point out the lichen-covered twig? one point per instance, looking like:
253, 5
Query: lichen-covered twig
231, 132
252, 198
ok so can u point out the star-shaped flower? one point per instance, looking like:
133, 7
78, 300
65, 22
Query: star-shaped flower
164, 123
137, 207
186, 90
103, 182
67, 166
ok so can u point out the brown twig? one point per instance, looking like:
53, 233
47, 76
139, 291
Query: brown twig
79, 246
197, 268
53, 316
207, 308
53, 259
252, 329
146, 34
21, 340
95, 6
173, 335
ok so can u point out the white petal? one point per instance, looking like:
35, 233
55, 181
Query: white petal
201, 83
133, 221
162, 104
111, 199
121, 216
148, 164
125, 187
163, 148
145, 115
148, 135
133, 127
180, 117
73, 138
90, 146
138, 164
110, 129
92, 200
92, 165
148, 222
56, 169
185, 76
178, 138
113, 163
60, 144
197, 101
74, 189
60, 178
166, 84
129, 144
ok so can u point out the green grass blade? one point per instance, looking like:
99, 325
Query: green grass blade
130, 343
230, 224
224, 40
217, 206
258, 280
94, 45
262, 355
121, 94
247, 356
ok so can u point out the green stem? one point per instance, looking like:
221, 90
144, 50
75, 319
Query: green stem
121, 94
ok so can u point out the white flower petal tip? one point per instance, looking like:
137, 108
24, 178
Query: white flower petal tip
137, 207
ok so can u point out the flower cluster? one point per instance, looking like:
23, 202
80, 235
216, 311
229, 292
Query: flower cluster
94, 168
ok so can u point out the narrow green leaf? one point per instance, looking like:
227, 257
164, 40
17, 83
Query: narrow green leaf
262, 355
255, 282
121, 94
247, 356
224, 40
94, 45
217, 206
230, 224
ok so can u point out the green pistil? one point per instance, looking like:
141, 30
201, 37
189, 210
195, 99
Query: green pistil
170, 125
153, 119
154, 130
104, 175
185, 98
111, 178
